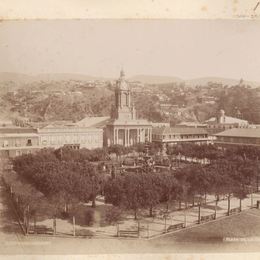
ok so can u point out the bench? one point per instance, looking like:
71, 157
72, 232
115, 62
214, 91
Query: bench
207, 218
128, 233
42, 230
175, 227
234, 211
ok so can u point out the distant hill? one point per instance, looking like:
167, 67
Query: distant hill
148, 79
19, 78
224, 81
23, 78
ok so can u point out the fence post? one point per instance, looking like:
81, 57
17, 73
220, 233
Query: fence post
74, 229
34, 224
216, 204
147, 230
25, 220
185, 215
28, 219
165, 224
228, 205
199, 214
117, 229
54, 226
138, 228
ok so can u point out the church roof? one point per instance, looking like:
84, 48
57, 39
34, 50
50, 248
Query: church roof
133, 122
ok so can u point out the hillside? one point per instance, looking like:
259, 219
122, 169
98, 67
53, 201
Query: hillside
73, 97
65, 100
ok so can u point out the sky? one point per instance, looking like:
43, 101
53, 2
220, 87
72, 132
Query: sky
179, 48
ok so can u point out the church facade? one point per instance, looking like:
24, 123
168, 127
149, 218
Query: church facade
124, 128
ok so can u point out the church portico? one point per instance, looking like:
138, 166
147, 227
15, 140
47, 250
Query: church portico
128, 136
124, 129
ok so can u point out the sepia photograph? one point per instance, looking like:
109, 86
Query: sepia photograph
129, 136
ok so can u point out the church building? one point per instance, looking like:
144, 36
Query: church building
124, 128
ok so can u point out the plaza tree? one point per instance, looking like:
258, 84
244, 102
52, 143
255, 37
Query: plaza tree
76, 180
151, 192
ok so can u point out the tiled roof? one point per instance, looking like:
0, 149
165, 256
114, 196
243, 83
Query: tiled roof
179, 130
17, 130
241, 132
95, 121
228, 120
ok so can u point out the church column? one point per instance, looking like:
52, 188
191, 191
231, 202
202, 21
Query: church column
125, 131
128, 137
117, 130
114, 135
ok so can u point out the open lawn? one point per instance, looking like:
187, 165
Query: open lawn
242, 226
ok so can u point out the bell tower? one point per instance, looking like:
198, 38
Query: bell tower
123, 107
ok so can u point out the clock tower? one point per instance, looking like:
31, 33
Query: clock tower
124, 109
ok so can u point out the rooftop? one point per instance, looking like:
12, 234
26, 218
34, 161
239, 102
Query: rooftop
228, 120
134, 122
94, 121
241, 132
179, 130
17, 130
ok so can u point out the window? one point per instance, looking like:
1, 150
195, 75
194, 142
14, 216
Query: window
29, 142
17, 143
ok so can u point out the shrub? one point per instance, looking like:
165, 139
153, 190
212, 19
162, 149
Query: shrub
89, 217
84, 216
113, 215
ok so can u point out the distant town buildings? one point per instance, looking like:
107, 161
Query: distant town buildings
222, 122
123, 127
